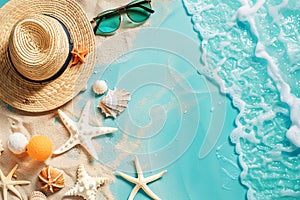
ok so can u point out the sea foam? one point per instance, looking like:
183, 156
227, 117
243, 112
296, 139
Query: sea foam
251, 48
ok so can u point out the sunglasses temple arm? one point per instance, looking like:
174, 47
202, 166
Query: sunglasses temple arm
95, 18
145, 8
135, 5
141, 6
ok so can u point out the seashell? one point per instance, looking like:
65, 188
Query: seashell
114, 102
51, 179
37, 195
17, 143
99, 87
1, 147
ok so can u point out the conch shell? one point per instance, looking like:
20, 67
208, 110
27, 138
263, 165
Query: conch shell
114, 102
51, 179
37, 195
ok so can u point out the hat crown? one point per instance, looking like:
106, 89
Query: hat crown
38, 47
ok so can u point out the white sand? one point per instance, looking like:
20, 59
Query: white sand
29, 169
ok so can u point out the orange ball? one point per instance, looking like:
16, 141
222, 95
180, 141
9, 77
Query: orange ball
39, 148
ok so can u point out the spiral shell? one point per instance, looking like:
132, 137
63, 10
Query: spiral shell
37, 195
114, 102
51, 179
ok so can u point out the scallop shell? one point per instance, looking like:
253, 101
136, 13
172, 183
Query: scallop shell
17, 143
51, 179
100, 87
37, 195
114, 102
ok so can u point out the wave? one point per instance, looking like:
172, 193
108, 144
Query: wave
251, 48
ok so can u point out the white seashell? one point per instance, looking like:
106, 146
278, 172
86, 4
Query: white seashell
1, 147
99, 87
17, 143
37, 195
114, 102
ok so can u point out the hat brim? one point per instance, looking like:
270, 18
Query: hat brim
39, 97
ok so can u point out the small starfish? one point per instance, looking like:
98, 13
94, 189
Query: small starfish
81, 132
79, 55
7, 184
86, 186
141, 182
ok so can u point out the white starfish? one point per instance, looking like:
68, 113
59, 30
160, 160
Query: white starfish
7, 184
86, 186
141, 182
81, 132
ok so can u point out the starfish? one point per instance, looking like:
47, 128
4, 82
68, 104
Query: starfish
81, 132
141, 182
86, 186
7, 184
79, 55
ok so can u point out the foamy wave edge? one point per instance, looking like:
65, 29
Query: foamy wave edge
244, 13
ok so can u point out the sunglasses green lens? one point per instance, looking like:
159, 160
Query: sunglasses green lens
107, 24
138, 14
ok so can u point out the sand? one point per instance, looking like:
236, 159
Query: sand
47, 124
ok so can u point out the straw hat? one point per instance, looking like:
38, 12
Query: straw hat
37, 37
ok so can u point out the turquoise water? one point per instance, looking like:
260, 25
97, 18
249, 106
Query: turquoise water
270, 161
2, 2
177, 119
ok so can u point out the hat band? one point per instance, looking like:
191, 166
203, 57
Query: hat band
64, 66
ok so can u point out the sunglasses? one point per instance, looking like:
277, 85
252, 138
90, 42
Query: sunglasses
109, 21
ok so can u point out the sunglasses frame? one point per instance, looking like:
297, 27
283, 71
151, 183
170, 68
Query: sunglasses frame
121, 10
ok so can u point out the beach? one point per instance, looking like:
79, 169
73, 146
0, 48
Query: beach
49, 124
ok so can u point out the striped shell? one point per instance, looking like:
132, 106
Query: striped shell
37, 195
51, 179
114, 102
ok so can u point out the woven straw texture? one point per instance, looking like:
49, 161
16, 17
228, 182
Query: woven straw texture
38, 97
39, 47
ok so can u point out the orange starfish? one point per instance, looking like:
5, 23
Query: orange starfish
79, 55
